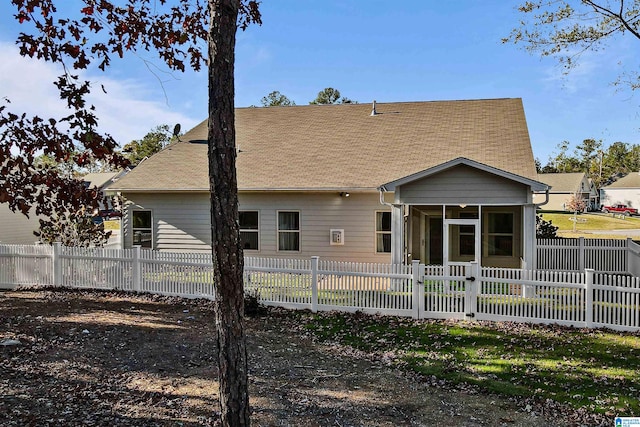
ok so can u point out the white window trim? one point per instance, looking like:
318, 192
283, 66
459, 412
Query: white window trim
153, 245
375, 229
278, 231
251, 230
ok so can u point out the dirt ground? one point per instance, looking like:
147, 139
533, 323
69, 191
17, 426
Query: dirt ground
109, 359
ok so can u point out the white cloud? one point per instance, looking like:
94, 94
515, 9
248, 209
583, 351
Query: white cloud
591, 68
126, 111
579, 77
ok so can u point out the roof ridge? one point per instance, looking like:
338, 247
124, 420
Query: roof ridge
367, 103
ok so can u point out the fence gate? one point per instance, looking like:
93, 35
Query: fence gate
453, 294
450, 292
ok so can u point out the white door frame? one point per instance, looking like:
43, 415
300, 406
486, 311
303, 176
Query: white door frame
424, 218
445, 244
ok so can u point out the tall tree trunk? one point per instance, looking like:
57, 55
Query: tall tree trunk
225, 235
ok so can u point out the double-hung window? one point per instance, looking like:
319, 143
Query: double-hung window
249, 230
288, 231
142, 229
383, 232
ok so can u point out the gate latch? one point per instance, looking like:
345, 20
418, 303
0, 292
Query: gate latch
471, 279
470, 314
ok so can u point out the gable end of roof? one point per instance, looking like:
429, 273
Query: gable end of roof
535, 185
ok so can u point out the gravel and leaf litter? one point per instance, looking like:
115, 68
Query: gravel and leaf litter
94, 358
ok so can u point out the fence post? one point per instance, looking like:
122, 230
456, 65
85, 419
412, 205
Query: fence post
422, 303
588, 309
472, 290
629, 257
528, 291
137, 269
314, 283
57, 264
582, 255
415, 289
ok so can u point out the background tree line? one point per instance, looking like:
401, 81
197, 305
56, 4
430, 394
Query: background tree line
135, 151
602, 165
326, 96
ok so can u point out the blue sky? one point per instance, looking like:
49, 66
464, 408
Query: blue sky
413, 50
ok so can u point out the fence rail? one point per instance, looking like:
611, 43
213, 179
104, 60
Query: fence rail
582, 299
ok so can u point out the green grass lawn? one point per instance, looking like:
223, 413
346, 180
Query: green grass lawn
592, 369
112, 224
593, 222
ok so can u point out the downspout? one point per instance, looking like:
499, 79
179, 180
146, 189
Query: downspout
398, 248
383, 190
546, 197
532, 258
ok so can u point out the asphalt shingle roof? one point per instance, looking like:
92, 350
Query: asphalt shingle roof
562, 182
631, 180
326, 147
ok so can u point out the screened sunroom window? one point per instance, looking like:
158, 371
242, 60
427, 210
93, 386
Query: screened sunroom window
500, 233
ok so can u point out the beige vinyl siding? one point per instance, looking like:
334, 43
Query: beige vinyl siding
319, 213
181, 222
17, 229
557, 201
463, 184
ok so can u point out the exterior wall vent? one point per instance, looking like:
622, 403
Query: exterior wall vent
337, 236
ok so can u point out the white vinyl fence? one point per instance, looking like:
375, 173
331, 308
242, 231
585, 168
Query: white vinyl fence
581, 299
332, 285
602, 255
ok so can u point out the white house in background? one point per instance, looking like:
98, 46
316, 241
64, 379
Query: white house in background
441, 182
101, 179
563, 186
17, 229
624, 191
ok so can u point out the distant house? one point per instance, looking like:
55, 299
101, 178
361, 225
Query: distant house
17, 229
625, 190
101, 179
442, 182
564, 186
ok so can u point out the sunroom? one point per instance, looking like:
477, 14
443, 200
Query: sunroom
463, 211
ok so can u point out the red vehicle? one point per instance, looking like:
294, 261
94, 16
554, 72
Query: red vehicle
622, 209
110, 214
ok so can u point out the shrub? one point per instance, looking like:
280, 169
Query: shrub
252, 305
545, 229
